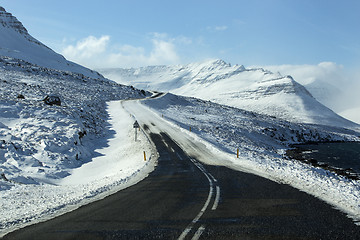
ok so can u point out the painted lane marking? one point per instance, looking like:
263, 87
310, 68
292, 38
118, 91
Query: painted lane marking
211, 179
178, 155
191, 225
214, 179
198, 232
217, 198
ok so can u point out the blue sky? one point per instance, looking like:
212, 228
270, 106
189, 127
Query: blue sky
125, 33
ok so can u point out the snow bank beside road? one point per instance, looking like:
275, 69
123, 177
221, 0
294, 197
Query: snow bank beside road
38, 142
262, 141
119, 164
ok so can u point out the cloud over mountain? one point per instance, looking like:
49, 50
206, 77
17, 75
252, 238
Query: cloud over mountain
102, 52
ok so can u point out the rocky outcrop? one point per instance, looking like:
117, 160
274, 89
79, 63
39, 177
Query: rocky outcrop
8, 20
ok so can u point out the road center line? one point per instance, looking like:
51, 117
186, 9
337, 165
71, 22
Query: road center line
212, 177
198, 232
217, 198
196, 219
191, 225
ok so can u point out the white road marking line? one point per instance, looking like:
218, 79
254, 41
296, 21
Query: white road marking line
198, 232
214, 179
191, 225
217, 198
178, 155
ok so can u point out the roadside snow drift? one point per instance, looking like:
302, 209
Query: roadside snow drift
117, 163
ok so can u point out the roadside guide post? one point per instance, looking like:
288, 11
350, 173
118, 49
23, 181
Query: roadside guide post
136, 126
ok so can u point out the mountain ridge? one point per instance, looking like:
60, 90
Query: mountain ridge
254, 89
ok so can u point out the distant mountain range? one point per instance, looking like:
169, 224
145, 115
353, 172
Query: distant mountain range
255, 89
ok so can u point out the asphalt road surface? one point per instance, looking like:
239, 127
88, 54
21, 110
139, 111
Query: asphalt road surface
184, 199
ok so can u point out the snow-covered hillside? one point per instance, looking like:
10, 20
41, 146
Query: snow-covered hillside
39, 142
16, 42
255, 90
261, 141
60, 125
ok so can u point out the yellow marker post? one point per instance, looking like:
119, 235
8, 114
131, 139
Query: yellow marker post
144, 156
237, 153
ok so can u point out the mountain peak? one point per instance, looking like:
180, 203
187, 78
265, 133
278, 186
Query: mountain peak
9, 21
17, 43
220, 62
216, 65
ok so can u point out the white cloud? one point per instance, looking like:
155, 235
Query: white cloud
307, 74
101, 53
217, 28
87, 48
183, 40
221, 28
163, 52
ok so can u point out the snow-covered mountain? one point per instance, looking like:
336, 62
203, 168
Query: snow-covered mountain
256, 90
16, 42
42, 141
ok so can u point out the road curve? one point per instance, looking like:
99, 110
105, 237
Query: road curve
159, 207
184, 199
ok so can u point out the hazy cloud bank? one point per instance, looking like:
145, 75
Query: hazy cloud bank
100, 52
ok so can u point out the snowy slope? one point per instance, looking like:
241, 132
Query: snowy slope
84, 141
219, 130
16, 42
116, 164
39, 142
255, 90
